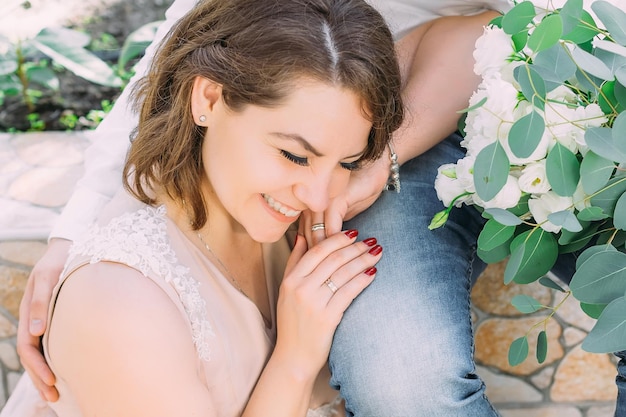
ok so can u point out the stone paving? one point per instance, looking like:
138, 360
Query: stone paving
38, 172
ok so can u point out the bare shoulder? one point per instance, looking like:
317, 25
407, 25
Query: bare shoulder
113, 333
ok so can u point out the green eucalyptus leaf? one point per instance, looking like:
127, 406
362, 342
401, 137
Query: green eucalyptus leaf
575, 241
607, 100
611, 237
609, 333
475, 106
525, 134
608, 196
591, 214
601, 141
562, 170
548, 283
79, 61
496, 21
588, 82
566, 219
526, 304
571, 13
589, 252
550, 78
7, 66
494, 234
542, 346
546, 34
613, 18
592, 310
557, 61
533, 254
518, 351
521, 208
620, 92
494, 255
619, 215
503, 216
491, 171
618, 133
44, 76
591, 64
584, 31
612, 58
516, 19
620, 74
519, 40
532, 85
601, 278
595, 172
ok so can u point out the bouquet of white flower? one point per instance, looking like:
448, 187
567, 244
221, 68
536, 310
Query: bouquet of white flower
545, 135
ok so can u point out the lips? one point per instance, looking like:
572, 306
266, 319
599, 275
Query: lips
280, 208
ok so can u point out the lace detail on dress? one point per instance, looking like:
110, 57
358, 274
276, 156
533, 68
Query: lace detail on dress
327, 410
139, 239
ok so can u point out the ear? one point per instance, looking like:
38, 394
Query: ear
205, 94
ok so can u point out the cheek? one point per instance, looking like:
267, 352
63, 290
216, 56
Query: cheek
339, 183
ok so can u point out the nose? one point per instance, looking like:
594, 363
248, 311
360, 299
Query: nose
318, 188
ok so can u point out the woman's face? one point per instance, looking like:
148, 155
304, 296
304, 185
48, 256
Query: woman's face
266, 165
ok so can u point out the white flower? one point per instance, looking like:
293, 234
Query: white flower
448, 187
493, 120
507, 197
546, 204
465, 173
533, 179
492, 51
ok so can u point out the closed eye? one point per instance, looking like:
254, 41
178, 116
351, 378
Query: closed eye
351, 166
298, 160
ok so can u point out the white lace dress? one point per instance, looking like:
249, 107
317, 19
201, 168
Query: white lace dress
230, 335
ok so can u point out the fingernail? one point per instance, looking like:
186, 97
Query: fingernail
370, 271
370, 241
352, 233
36, 326
376, 250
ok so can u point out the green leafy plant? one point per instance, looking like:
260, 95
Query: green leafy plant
545, 134
23, 72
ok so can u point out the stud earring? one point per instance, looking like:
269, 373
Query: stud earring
202, 118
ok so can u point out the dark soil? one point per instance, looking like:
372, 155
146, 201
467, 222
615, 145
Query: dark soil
76, 96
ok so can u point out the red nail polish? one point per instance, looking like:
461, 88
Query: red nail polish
352, 233
376, 250
370, 271
370, 241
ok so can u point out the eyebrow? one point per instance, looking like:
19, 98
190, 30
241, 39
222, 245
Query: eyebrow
306, 145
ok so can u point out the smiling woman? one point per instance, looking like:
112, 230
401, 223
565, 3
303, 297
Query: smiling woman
236, 140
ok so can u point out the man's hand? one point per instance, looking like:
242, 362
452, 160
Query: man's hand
34, 316
364, 188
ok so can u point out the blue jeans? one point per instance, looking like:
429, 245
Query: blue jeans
405, 347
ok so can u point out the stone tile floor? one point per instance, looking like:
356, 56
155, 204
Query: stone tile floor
37, 175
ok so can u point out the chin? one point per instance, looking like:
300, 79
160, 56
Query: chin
269, 236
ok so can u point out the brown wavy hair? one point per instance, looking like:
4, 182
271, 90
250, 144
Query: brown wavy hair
257, 50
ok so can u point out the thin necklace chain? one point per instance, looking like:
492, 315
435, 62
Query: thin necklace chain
230, 276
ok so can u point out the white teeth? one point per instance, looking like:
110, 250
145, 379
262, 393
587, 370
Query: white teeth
280, 208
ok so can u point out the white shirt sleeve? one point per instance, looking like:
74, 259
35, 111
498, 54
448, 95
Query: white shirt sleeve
404, 15
104, 159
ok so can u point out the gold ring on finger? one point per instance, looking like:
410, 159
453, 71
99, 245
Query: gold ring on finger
331, 285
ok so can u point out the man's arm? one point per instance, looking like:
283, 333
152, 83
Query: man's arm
436, 61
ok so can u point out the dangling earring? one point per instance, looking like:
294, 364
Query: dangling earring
202, 118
